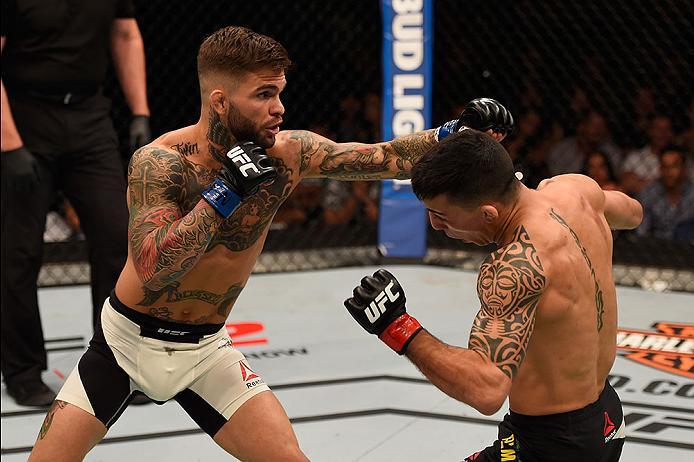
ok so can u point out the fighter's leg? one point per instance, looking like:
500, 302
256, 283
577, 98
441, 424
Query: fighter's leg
95, 394
68, 433
232, 403
259, 431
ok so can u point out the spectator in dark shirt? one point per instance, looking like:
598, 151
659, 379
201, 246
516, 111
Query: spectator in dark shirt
641, 165
668, 202
569, 155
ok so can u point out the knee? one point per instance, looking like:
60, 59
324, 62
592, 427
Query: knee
291, 452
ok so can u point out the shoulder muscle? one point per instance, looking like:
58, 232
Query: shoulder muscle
509, 286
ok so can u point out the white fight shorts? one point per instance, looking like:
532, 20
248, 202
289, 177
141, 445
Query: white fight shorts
130, 352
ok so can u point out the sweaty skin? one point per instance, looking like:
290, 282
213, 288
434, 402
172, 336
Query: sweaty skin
188, 264
545, 334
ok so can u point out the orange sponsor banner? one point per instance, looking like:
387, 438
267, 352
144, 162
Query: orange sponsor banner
669, 347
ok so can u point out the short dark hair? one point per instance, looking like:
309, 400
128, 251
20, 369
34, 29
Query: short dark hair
469, 167
234, 49
674, 148
611, 176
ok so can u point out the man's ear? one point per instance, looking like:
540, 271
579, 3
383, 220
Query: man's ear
489, 213
219, 101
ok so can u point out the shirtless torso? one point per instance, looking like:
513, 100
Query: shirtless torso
200, 274
563, 229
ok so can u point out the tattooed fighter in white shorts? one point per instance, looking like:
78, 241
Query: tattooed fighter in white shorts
201, 200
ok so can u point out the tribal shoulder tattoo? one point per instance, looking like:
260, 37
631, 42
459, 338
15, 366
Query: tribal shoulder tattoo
356, 161
599, 303
509, 286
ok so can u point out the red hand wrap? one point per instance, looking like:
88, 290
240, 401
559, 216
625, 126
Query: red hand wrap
400, 333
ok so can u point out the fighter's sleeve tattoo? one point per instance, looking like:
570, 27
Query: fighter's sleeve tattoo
357, 161
599, 303
165, 243
509, 286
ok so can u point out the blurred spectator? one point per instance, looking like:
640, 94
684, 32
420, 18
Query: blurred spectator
352, 202
529, 146
598, 167
592, 134
686, 140
530, 98
643, 113
668, 202
351, 124
57, 132
641, 166
578, 106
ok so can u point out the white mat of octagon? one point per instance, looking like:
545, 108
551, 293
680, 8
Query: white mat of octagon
349, 397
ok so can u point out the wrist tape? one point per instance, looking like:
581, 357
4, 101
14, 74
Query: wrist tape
400, 333
222, 198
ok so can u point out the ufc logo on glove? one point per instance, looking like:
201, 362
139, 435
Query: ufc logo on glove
240, 158
378, 306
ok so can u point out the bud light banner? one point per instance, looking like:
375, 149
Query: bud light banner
407, 83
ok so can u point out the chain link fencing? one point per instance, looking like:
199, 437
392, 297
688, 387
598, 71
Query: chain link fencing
579, 77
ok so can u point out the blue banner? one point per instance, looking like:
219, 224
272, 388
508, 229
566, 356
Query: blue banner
407, 83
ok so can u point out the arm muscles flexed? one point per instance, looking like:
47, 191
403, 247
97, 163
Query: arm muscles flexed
321, 157
165, 244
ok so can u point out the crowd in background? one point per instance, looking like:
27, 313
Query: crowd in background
654, 163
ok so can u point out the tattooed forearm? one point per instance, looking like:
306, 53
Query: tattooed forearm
509, 287
408, 149
166, 247
246, 225
356, 161
57, 405
165, 243
599, 304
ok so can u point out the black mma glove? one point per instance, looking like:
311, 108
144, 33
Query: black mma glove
481, 114
244, 168
378, 305
140, 133
19, 170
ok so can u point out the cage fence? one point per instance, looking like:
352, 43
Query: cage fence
590, 71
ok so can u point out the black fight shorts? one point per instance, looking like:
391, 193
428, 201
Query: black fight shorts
594, 433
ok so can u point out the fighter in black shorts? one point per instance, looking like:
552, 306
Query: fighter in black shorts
545, 334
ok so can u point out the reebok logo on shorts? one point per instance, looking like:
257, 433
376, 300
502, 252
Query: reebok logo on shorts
609, 429
251, 378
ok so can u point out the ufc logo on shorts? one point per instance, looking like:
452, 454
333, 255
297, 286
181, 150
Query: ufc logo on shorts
241, 159
378, 306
